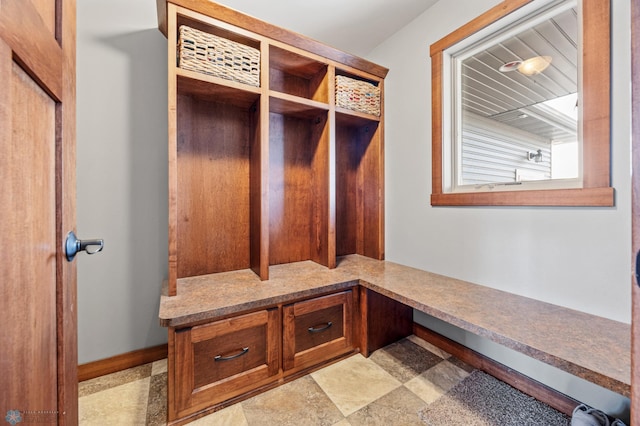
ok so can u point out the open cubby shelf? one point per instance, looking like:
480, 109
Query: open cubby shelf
206, 87
213, 173
298, 188
273, 174
292, 105
349, 117
298, 75
213, 26
359, 226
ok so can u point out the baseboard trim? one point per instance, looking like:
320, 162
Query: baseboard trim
121, 362
537, 390
525, 384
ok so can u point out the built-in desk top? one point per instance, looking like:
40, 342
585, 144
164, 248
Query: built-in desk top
591, 347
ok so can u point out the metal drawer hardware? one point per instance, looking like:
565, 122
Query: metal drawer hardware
230, 357
319, 329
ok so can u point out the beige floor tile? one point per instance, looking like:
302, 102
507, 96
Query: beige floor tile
159, 367
121, 405
458, 363
354, 382
428, 346
157, 403
300, 402
363, 389
101, 383
436, 381
405, 360
398, 408
230, 416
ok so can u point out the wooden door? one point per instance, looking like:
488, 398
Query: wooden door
38, 337
635, 159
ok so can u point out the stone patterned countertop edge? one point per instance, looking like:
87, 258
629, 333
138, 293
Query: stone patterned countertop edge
593, 348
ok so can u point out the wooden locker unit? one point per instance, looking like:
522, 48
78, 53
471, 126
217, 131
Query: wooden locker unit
259, 176
271, 174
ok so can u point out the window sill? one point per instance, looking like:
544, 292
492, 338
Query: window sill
579, 197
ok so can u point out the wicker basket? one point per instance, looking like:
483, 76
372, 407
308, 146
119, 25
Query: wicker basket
209, 54
357, 95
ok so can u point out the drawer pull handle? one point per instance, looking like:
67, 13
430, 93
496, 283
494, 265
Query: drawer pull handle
319, 329
230, 357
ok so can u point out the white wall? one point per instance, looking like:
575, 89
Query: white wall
122, 175
574, 257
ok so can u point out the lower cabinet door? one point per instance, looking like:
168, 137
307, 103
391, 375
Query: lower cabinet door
223, 359
317, 330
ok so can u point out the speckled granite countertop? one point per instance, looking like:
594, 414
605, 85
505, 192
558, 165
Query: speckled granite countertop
593, 348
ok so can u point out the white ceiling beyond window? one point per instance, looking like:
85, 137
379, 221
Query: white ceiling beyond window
354, 26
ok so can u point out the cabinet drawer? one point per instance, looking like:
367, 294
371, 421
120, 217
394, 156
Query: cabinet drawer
316, 330
223, 359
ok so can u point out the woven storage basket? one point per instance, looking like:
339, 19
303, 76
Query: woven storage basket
357, 95
209, 54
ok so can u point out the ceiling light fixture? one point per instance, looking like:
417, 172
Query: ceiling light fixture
531, 66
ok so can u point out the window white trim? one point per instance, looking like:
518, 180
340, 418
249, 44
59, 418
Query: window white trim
526, 17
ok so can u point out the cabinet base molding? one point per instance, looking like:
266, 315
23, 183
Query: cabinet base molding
527, 385
537, 390
385, 321
116, 363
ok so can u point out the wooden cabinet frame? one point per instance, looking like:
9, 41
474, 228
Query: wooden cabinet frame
367, 321
260, 176
190, 396
635, 240
273, 174
337, 307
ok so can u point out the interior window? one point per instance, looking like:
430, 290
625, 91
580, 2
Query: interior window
514, 108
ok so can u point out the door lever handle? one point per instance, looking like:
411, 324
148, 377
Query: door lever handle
638, 268
73, 245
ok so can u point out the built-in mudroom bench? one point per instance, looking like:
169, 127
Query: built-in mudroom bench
382, 296
276, 225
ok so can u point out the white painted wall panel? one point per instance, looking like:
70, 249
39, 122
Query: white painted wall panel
573, 257
497, 153
121, 175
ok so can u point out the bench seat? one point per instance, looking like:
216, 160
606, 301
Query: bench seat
587, 346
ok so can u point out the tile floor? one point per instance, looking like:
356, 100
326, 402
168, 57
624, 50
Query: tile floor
389, 387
